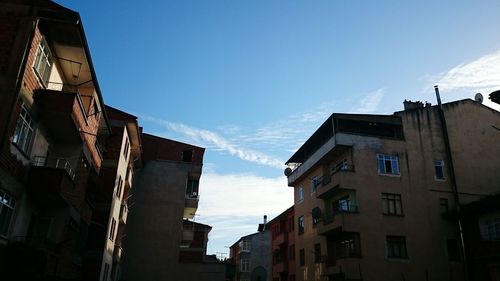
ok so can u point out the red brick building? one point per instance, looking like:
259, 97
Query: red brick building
283, 246
51, 121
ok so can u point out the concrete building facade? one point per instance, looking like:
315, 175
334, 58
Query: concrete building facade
372, 191
160, 243
251, 257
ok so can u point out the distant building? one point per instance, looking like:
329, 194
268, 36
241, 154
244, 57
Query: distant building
372, 192
121, 156
251, 257
283, 246
160, 243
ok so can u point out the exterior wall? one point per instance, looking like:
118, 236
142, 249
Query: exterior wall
258, 256
282, 246
421, 223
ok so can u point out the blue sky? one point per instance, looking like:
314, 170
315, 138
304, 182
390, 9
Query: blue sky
251, 80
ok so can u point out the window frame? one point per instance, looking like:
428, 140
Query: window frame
7, 201
439, 165
393, 241
300, 194
301, 225
48, 60
24, 132
317, 253
302, 257
314, 184
391, 200
245, 265
382, 165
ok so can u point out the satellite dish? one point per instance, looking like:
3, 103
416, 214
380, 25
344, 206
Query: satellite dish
288, 171
479, 98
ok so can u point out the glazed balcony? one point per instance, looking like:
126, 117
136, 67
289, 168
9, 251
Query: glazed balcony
342, 219
191, 205
335, 182
49, 178
123, 213
62, 113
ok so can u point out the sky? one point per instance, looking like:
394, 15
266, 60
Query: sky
251, 80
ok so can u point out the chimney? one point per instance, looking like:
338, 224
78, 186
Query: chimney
265, 219
408, 104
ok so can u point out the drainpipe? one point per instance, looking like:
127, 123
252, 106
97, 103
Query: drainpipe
453, 181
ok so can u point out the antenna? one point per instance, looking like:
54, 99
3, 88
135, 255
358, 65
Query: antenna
479, 98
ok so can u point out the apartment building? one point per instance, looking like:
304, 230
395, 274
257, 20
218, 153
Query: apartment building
373, 193
282, 230
163, 242
51, 121
251, 255
121, 156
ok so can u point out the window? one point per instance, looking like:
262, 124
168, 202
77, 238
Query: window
341, 166
314, 184
245, 245
112, 230
7, 204
439, 169
396, 247
302, 257
291, 224
43, 62
317, 253
24, 133
106, 272
192, 188
119, 187
127, 146
490, 228
187, 156
300, 194
443, 203
391, 204
316, 215
388, 164
344, 205
245, 265
301, 224
348, 246
453, 249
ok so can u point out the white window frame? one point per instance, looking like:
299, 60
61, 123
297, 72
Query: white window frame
300, 194
394, 160
7, 207
490, 228
314, 184
439, 164
43, 62
24, 134
245, 246
245, 265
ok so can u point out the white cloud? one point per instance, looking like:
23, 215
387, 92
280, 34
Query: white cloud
479, 76
234, 204
370, 103
217, 142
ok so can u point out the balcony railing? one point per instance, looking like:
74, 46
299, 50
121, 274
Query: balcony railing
328, 217
57, 163
326, 179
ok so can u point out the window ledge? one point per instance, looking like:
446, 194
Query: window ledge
390, 175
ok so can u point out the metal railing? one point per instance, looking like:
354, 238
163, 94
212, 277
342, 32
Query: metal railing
328, 217
51, 162
326, 179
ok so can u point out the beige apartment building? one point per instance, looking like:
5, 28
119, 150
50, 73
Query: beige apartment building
375, 194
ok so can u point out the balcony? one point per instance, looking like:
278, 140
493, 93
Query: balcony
280, 266
191, 205
187, 237
280, 238
129, 177
334, 182
344, 219
49, 178
62, 113
123, 213
346, 269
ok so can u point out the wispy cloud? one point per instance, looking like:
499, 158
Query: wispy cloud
482, 74
216, 141
370, 103
234, 204
478, 76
